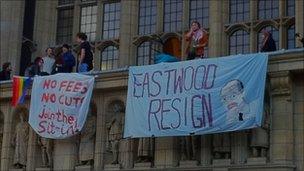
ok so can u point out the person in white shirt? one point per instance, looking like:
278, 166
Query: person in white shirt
48, 61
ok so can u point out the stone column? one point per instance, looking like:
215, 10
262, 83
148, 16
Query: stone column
185, 27
282, 30
11, 26
253, 33
160, 17
299, 15
99, 22
281, 133
206, 150
166, 152
6, 141
239, 147
31, 161
45, 26
128, 27
65, 154
217, 39
100, 140
76, 20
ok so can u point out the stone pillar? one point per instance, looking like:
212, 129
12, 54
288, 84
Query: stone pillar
11, 26
217, 19
6, 141
298, 122
239, 147
253, 33
160, 17
206, 150
128, 27
166, 152
31, 161
185, 27
99, 22
45, 26
100, 140
76, 20
281, 133
65, 154
282, 30
299, 15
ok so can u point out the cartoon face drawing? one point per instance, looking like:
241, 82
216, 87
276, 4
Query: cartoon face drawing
232, 95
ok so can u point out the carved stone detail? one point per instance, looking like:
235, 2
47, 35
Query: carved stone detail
280, 83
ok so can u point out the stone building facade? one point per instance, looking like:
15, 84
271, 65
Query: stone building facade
124, 33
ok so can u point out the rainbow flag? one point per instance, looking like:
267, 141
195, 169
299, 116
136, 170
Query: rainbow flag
20, 87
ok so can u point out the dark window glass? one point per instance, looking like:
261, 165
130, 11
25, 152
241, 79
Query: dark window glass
290, 7
239, 42
268, 9
111, 20
64, 26
65, 2
173, 11
147, 17
109, 58
275, 35
88, 21
199, 11
291, 42
238, 10
145, 54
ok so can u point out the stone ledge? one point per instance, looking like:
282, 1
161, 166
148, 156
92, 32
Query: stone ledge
43, 169
143, 165
221, 162
112, 167
84, 168
188, 163
256, 160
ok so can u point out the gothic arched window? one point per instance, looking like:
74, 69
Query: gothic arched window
109, 58
239, 42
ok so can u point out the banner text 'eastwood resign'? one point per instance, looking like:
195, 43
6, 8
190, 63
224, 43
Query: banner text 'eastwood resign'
165, 98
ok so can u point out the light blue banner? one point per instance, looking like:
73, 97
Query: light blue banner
200, 96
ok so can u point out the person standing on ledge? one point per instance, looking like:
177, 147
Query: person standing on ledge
197, 39
268, 44
85, 59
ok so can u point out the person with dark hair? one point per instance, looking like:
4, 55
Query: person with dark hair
68, 59
300, 38
5, 74
197, 39
268, 44
48, 61
36, 68
58, 65
85, 59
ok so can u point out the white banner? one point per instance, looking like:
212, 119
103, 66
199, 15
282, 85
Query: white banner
59, 104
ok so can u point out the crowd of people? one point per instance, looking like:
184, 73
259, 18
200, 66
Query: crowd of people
63, 62
196, 38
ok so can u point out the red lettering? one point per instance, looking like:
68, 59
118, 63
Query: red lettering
77, 87
70, 119
63, 84
41, 127
70, 85
46, 97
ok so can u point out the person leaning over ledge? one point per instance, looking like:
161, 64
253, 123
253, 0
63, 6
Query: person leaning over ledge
5, 74
197, 39
300, 38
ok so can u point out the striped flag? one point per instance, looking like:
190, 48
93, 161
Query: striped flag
20, 87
